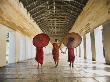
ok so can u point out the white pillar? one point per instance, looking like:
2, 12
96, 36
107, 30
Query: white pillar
22, 47
27, 48
2, 45
93, 46
106, 41
88, 47
75, 51
99, 44
79, 50
82, 48
34, 51
30, 49
17, 46
84, 43
12, 47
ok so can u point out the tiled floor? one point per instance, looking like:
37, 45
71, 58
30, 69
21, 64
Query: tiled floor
83, 71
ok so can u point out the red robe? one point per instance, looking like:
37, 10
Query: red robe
55, 51
39, 55
71, 55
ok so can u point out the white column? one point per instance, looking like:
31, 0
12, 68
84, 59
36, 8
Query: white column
31, 49
12, 47
84, 43
82, 48
2, 45
22, 48
34, 51
27, 48
93, 46
17, 46
79, 50
75, 51
106, 41
88, 47
99, 44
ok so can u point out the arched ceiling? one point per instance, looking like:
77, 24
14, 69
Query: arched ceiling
54, 17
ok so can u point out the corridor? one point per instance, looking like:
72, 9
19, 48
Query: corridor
22, 20
83, 71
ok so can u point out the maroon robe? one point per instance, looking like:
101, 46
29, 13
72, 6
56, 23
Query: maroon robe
55, 52
39, 55
71, 55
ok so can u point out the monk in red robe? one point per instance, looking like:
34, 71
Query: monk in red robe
39, 55
55, 52
71, 55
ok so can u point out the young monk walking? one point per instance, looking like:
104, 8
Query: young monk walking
55, 52
40, 41
71, 55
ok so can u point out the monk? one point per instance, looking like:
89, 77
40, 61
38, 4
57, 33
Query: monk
71, 55
55, 52
39, 55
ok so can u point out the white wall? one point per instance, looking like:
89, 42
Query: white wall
27, 48
12, 47
2, 45
30, 48
12, 43
22, 47
33, 50
17, 46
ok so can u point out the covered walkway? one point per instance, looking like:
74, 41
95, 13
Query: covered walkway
83, 71
21, 20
